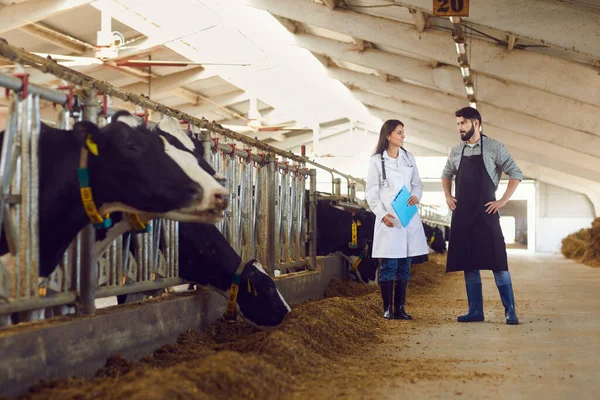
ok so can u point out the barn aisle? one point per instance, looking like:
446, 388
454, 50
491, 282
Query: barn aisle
554, 353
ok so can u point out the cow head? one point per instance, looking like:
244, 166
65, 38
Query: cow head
205, 257
137, 170
259, 299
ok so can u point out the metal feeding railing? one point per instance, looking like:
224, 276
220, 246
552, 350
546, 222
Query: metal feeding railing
266, 220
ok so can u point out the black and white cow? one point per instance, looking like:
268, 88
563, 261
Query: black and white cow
136, 170
334, 233
205, 256
435, 238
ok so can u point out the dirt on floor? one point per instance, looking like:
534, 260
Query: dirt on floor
333, 347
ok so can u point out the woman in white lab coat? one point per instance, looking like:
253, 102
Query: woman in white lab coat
391, 167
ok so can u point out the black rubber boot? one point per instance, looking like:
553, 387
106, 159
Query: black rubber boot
400, 300
508, 300
475, 296
386, 294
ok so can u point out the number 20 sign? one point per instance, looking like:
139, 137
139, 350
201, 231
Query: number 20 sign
451, 8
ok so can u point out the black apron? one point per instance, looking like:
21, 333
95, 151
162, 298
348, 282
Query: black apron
476, 241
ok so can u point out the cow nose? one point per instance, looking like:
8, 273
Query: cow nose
221, 200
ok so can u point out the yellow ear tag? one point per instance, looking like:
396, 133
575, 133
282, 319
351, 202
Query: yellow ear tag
93, 147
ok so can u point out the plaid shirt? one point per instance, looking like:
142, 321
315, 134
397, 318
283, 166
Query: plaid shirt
495, 158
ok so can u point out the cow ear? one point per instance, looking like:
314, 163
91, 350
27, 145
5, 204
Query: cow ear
87, 135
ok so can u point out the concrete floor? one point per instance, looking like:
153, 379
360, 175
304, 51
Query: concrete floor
553, 354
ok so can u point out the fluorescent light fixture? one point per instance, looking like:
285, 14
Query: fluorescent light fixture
455, 20
465, 71
473, 104
460, 47
470, 90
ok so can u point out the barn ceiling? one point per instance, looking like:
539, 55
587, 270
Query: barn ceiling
534, 67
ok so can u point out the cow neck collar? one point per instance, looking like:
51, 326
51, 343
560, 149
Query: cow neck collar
85, 190
234, 289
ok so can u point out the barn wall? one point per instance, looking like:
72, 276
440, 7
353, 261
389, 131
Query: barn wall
559, 213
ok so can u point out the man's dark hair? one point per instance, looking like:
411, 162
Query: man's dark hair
469, 113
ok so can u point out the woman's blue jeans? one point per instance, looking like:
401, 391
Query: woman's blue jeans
395, 268
501, 277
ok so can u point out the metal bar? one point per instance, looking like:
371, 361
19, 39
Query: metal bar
24, 227
293, 204
109, 291
20, 56
58, 299
5, 164
176, 247
271, 195
262, 209
276, 183
312, 234
156, 226
23, 57
285, 218
35, 189
337, 187
257, 225
16, 189
89, 269
302, 218
235, 205
16, 84
113, 260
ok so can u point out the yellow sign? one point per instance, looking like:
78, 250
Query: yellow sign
451, 8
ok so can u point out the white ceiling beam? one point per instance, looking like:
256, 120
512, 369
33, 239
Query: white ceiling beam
571, 27
583, 165
74, 46
171, 81
576, 81
27, 12
222, 102
512, 120
531, 169
519, 98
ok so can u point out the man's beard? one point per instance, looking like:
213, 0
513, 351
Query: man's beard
468, 135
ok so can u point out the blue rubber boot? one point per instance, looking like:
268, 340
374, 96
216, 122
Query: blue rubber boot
508, 300
475, 296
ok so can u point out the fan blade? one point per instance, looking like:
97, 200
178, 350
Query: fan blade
153, 63
72, 60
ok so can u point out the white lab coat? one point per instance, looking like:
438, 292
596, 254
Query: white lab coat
395, 242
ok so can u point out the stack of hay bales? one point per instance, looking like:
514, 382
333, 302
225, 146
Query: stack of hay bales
584, 246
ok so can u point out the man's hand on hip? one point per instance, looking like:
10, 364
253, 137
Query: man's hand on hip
494, 206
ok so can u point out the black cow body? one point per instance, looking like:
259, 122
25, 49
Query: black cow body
334, 233
435, 238
135, 170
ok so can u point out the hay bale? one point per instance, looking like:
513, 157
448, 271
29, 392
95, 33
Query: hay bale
574, 245
591, 255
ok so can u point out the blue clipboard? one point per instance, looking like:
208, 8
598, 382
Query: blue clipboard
400, 204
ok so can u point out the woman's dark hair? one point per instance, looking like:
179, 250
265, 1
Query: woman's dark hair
386, 129
469, 113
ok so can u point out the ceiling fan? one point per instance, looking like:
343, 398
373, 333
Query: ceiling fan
109, 43
254, 123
